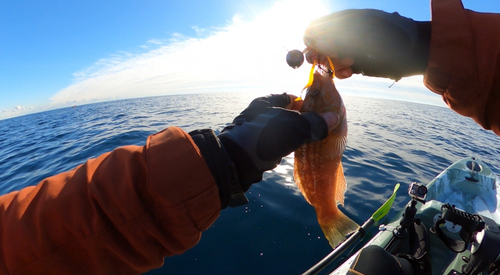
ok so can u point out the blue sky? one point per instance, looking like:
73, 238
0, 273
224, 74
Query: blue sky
59, 53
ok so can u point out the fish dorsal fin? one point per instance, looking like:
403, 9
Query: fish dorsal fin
341, 185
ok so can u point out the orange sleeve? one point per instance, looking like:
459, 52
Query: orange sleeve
464, 61
120, 213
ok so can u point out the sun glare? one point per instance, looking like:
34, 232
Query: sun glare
241, 56
274, 33
287, 20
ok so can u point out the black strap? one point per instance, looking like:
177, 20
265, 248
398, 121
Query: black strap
470, 223
222, 168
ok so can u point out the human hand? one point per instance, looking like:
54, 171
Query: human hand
371, 42
269, 129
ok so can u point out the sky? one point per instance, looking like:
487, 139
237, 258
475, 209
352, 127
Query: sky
58, 53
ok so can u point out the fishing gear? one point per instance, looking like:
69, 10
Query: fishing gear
295, 58
360, 233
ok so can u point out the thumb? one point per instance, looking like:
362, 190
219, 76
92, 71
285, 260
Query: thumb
332, 120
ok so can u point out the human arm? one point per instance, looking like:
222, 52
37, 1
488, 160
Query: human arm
463, 63
120, 213
369, 42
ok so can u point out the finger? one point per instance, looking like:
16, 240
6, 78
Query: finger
338, 63
344, 73
297, 105
290, 104
341, 64
314, 56
324, 47
332, 120
345, 62
275, 100
319, 29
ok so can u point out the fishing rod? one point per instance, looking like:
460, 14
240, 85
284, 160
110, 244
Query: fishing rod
360, 233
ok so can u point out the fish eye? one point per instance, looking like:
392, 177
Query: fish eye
315, 93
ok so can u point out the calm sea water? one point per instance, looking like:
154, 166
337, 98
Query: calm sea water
277, 232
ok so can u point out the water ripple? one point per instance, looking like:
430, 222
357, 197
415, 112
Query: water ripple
277, 232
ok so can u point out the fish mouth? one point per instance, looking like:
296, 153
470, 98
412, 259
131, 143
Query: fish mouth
323, 63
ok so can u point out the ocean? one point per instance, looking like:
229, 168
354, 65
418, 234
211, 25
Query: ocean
277, 232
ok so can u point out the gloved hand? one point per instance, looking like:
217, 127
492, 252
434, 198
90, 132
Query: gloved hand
371, 42
256, 141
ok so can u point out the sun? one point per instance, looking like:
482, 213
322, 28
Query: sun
287, 20
244, 55
274, 32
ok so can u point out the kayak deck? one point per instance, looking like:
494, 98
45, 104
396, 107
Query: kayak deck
472, 190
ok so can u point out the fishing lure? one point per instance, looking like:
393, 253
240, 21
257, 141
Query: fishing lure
295, 58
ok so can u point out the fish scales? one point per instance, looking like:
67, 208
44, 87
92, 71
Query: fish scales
318, 168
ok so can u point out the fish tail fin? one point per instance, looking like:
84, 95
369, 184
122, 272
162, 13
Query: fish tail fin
336, 227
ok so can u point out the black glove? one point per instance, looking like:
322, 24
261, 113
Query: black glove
255, 142
381, 44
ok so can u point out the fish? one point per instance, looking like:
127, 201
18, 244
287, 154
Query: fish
318, 170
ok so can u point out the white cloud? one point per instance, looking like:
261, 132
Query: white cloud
407, 89
199, 31
155, 41
19, 110
241, 56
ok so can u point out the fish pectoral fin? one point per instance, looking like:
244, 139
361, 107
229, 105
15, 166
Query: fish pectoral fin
336, 146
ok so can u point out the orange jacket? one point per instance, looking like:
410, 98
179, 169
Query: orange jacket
120, 213
464, 61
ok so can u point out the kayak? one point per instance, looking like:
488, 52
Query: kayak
449, 226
